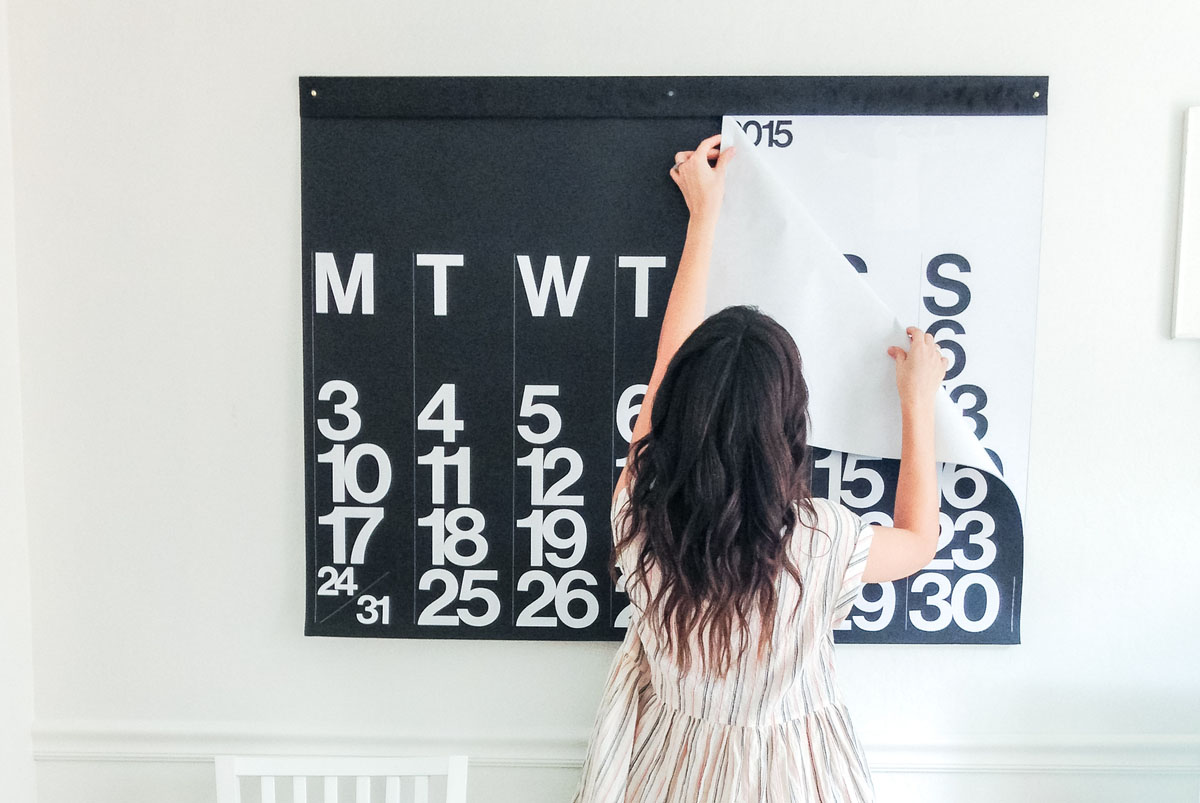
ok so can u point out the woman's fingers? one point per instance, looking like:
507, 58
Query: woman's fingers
683, 156
709, 143
921, 369
724, 157
701, 182
919, 337
707, 146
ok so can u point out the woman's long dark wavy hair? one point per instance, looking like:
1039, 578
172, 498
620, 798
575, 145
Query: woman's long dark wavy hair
714, 481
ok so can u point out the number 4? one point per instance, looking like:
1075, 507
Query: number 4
448, 423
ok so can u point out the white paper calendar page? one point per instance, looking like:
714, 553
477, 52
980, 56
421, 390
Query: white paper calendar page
860, 226
479, 322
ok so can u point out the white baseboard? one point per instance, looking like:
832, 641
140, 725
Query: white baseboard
95, 740
153, 741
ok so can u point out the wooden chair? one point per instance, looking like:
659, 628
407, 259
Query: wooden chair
231, 769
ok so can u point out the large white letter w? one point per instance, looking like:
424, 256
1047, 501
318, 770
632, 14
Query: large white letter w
567, 293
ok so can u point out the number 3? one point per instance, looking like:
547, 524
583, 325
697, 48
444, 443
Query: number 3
344, 408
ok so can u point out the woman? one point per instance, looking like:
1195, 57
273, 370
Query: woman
724, 688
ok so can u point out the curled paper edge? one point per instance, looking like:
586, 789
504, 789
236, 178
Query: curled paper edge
771, 254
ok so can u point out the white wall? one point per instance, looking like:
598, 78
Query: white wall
157, 186
16, 645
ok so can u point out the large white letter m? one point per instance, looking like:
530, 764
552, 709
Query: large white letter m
328, 280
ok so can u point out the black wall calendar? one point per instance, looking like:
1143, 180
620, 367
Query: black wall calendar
486, 263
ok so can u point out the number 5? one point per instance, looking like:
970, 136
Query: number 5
489, 597
777, 134
853, 473
531, 408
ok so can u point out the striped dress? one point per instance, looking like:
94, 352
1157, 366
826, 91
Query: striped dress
773, 730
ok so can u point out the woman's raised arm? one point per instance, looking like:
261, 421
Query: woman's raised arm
909, 546
703, 188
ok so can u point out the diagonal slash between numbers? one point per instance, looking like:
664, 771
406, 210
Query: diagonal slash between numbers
342, 607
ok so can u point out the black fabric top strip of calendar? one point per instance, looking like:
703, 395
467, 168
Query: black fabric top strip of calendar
485, 265
664, 97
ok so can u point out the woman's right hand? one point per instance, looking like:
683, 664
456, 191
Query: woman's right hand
920, 370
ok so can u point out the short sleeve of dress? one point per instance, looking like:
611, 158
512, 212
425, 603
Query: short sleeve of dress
852, 540
617, 518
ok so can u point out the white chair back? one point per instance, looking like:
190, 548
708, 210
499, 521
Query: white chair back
295, 772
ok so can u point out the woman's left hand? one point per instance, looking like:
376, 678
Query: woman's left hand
702, 184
